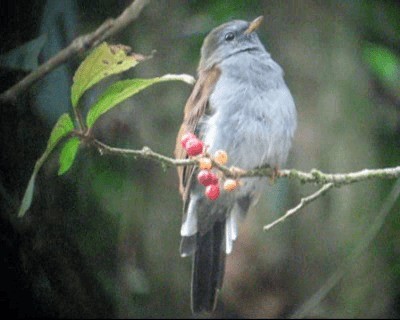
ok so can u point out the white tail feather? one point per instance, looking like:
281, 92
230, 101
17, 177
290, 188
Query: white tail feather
189, 226
231, 230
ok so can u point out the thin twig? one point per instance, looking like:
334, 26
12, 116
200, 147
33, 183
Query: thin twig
303, 202
145, 153
81, 44
362, 245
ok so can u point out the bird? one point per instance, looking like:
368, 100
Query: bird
241, 104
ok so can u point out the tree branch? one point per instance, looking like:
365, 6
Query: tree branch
327, 180
81, 44
361, 246
304, 201
339, 179
314, 176
145, 153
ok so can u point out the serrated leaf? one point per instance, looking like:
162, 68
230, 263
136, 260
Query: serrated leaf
63, 127
68, 154
122, 90
102, 62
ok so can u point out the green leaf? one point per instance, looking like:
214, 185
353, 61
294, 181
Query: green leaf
102, 62
384, 64
68, 154
63, 126
27, 199
124, 89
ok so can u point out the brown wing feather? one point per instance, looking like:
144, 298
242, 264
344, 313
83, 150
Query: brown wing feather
194, 109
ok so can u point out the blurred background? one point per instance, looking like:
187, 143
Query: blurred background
103, 240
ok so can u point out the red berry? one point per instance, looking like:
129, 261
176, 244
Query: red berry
185, 138
207, 178
194, 147
204, 177
212, 192
214, 178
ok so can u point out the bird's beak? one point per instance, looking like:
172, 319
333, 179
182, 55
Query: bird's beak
254, 25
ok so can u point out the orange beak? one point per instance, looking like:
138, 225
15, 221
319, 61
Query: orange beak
254, 25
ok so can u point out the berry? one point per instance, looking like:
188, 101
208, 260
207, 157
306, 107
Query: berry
194, 147
230, 185
213, 178
185, 138
221, 157
207, 178
205, 164
212, 192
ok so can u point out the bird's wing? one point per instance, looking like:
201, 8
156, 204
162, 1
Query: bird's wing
195, 108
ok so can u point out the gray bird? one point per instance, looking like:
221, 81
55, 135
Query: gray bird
240, 104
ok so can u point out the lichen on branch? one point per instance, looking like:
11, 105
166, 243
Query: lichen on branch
327, 180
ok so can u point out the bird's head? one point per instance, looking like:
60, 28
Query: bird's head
229, 39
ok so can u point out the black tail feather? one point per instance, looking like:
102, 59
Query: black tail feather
208, 268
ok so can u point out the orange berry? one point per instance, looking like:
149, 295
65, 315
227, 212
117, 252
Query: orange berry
205, 164
221, 157
230, 185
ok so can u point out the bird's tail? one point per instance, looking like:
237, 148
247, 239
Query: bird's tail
208, 268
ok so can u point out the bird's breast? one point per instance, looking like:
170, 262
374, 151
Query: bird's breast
244, 120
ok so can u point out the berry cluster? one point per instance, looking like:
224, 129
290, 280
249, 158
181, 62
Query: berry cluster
206, 177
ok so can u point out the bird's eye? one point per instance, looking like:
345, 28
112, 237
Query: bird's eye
229, 36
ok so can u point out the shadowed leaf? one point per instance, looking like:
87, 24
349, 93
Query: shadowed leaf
63, 126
